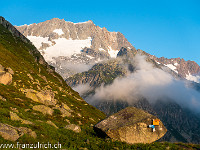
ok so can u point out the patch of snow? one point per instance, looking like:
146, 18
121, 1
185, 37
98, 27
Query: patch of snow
193, 78
176, 64
37, 40
101, 49
65, 47
112, 53
90, 57
172, 67
83, 22
157, 62
58, 31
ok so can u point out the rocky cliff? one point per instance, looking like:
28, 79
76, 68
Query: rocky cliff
70, 46
101, 37
186, 69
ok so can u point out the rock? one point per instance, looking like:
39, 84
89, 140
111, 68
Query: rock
29, 75
11, 133
2, 98
43, 109
1, 68
73, 127
15, 117
64, 112
24, 130
64, 109
10, 71
51, 123
5, 78
45, 97
8, 132
130, 125
6, 75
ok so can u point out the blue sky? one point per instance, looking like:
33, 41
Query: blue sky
169, 28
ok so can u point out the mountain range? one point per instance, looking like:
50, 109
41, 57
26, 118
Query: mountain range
95, 62
69, 39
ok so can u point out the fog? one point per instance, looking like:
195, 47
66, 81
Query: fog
82, 88
148, 82
78, 67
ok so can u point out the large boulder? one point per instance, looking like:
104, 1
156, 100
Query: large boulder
131, 125
6, 75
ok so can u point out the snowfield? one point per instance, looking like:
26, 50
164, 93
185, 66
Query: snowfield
63, 46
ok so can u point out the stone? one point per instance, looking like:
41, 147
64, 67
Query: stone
2, 98
5, 78
10, 71
130, 125
73, 127
15, 117
51, 123
1, 68
64, 112
24, 130
43, 109
45, 97
8, 132
29, 75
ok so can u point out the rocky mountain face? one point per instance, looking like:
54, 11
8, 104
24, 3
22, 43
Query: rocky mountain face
36, 104
57, 28
185, 69
70, 46
65, 44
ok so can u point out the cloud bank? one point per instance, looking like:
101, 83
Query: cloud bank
151, 83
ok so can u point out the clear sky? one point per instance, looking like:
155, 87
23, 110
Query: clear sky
169, 28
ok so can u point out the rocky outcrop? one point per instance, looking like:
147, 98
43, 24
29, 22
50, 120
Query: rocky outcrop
43, 109
12, 133
182, 67
33, 51
45, 97
8, 132
12, 29
101, 37
6, 75
15, 117
73, 127
131, 125
104, 72
127, 52
51, 123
